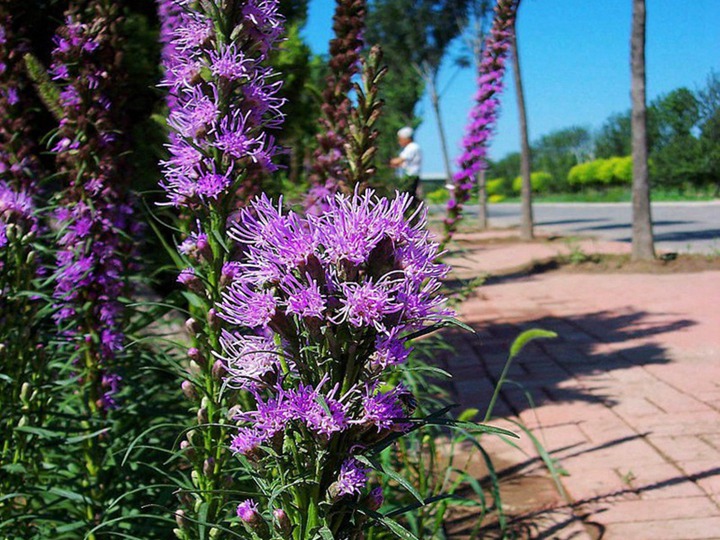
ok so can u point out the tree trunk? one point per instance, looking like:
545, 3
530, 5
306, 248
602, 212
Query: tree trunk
642, 234
435, 100
482, 201
526, 221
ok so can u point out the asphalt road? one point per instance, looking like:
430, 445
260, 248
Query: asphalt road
680, 227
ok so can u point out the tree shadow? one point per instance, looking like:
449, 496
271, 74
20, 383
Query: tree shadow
684, 236
588, 347
628, 226
570, 221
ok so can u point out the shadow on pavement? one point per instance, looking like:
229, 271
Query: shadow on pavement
684, 236
570, 221
628, 226
589, 348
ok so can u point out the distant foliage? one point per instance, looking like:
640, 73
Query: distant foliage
616, 171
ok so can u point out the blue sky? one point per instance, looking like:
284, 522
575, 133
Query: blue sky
575, 59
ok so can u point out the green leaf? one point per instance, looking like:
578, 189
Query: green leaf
79, 438
467, 415
404, 483
397, 529
326, 534
526, 337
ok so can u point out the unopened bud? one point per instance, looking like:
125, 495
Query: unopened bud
218, 370
213, 319
188, 389
24, 391
209, 467
282, 523
196, 356
193, 327
202, 415
11, 232
180, 519
194, 368
375, 499
188, 450
31, 257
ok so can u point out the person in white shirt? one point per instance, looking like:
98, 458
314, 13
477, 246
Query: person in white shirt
409, 161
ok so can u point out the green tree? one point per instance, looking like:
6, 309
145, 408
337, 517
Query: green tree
676, 152
709, 104
559, 151
414, 36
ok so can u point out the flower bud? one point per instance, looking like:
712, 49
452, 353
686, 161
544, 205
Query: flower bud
194, 368
282, 523
188, 450
31, 257
375, 499
209, 467
24, 391
180, 519
195, 355
11, 232
213, 319
202, 415
188, 389
218, 370
193, 327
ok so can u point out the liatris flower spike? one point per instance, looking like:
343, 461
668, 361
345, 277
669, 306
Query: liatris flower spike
332, 301
484, 113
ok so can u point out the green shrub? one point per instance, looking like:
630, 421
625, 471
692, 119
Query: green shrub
540, 182
438, 196
614, 171
496, 186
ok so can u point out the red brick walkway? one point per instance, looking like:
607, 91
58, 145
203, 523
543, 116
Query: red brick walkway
627, 398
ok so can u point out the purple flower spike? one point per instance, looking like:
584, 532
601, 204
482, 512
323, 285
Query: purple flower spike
222, 98
484, 114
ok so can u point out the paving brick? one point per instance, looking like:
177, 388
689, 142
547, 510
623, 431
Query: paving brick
684, 449
661, 481
628, 396
678, 529
657, 510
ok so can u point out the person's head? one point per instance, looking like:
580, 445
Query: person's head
405, 136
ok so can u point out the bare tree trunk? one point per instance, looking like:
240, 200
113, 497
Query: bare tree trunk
482, 201
435, 101
526, 221
643, 247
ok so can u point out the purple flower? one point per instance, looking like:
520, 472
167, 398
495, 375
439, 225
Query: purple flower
244, 306
248, 359
248, 511
304, 300
381, 410
352, 478
483, 115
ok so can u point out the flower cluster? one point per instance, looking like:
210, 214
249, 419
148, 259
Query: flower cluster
328, 168
93, 217
331, 300
18, 150
223, 96
169, 12
17, 215
483, 115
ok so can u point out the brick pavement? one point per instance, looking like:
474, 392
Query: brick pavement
627, 398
